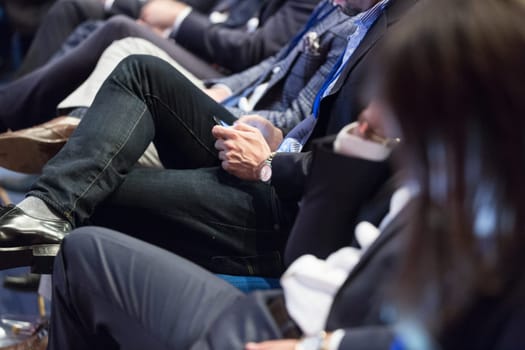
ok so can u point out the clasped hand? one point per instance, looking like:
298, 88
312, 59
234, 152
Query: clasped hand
245, 145
161, 14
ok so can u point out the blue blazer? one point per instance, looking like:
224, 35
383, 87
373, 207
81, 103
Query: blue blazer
295, 79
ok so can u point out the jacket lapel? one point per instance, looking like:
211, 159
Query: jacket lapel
391, 230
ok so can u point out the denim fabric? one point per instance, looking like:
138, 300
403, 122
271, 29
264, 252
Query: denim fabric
193, 207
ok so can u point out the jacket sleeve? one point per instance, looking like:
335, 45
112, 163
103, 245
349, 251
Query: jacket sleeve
331, 179
235, 48
367, 338
239, 81
289, 173
127, 7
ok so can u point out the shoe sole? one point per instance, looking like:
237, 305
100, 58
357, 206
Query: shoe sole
39, 257
25, 154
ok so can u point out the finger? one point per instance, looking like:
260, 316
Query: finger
246, 118
219, 144
220, 132
222, 155
225, 165
244, 127
252, 119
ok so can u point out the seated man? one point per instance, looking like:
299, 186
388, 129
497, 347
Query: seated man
279, 88
226, 220
220, 24
33, 99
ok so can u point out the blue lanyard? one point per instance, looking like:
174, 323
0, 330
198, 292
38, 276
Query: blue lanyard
331, 77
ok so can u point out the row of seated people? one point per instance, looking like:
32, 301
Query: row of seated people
206, 48
228, 43
437, 263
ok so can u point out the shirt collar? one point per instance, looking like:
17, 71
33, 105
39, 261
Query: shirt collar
368, 17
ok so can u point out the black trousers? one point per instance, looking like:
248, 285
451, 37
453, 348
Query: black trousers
191, 207
61, 20
111, 291
33, 99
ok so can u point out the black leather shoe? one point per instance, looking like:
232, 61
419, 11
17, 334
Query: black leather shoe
28, 282
29, 241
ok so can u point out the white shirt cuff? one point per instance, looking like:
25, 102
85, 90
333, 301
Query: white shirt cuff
335, 339
108, 4
354, 146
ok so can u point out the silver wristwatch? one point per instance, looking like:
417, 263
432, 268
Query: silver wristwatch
265, 169
316, 342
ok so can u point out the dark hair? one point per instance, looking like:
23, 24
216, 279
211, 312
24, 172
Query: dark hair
454, 75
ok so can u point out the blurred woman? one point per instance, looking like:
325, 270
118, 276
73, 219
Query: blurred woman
454, 81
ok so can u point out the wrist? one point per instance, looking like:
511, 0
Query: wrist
320, 341
264, 170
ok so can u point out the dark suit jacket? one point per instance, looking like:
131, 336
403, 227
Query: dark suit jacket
236, 49
340, 107
342, 192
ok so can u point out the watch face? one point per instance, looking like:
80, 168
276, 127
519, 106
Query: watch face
266, 173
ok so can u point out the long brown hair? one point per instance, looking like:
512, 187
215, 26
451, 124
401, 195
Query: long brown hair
454, 76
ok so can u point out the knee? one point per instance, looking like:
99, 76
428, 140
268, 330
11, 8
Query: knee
142, 66
80, 241
119, 27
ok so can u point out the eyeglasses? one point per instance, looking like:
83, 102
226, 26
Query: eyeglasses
363, 130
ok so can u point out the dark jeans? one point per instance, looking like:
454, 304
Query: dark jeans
111, 291
33, 99
193, 207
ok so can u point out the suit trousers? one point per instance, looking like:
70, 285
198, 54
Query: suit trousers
111, 291
33, 99
192, 207
61, 20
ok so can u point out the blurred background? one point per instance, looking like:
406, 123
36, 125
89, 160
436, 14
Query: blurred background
18, 22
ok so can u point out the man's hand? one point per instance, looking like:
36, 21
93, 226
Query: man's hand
161, 14
284, 344
155, 30
242, 148
218, 93
272, 135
